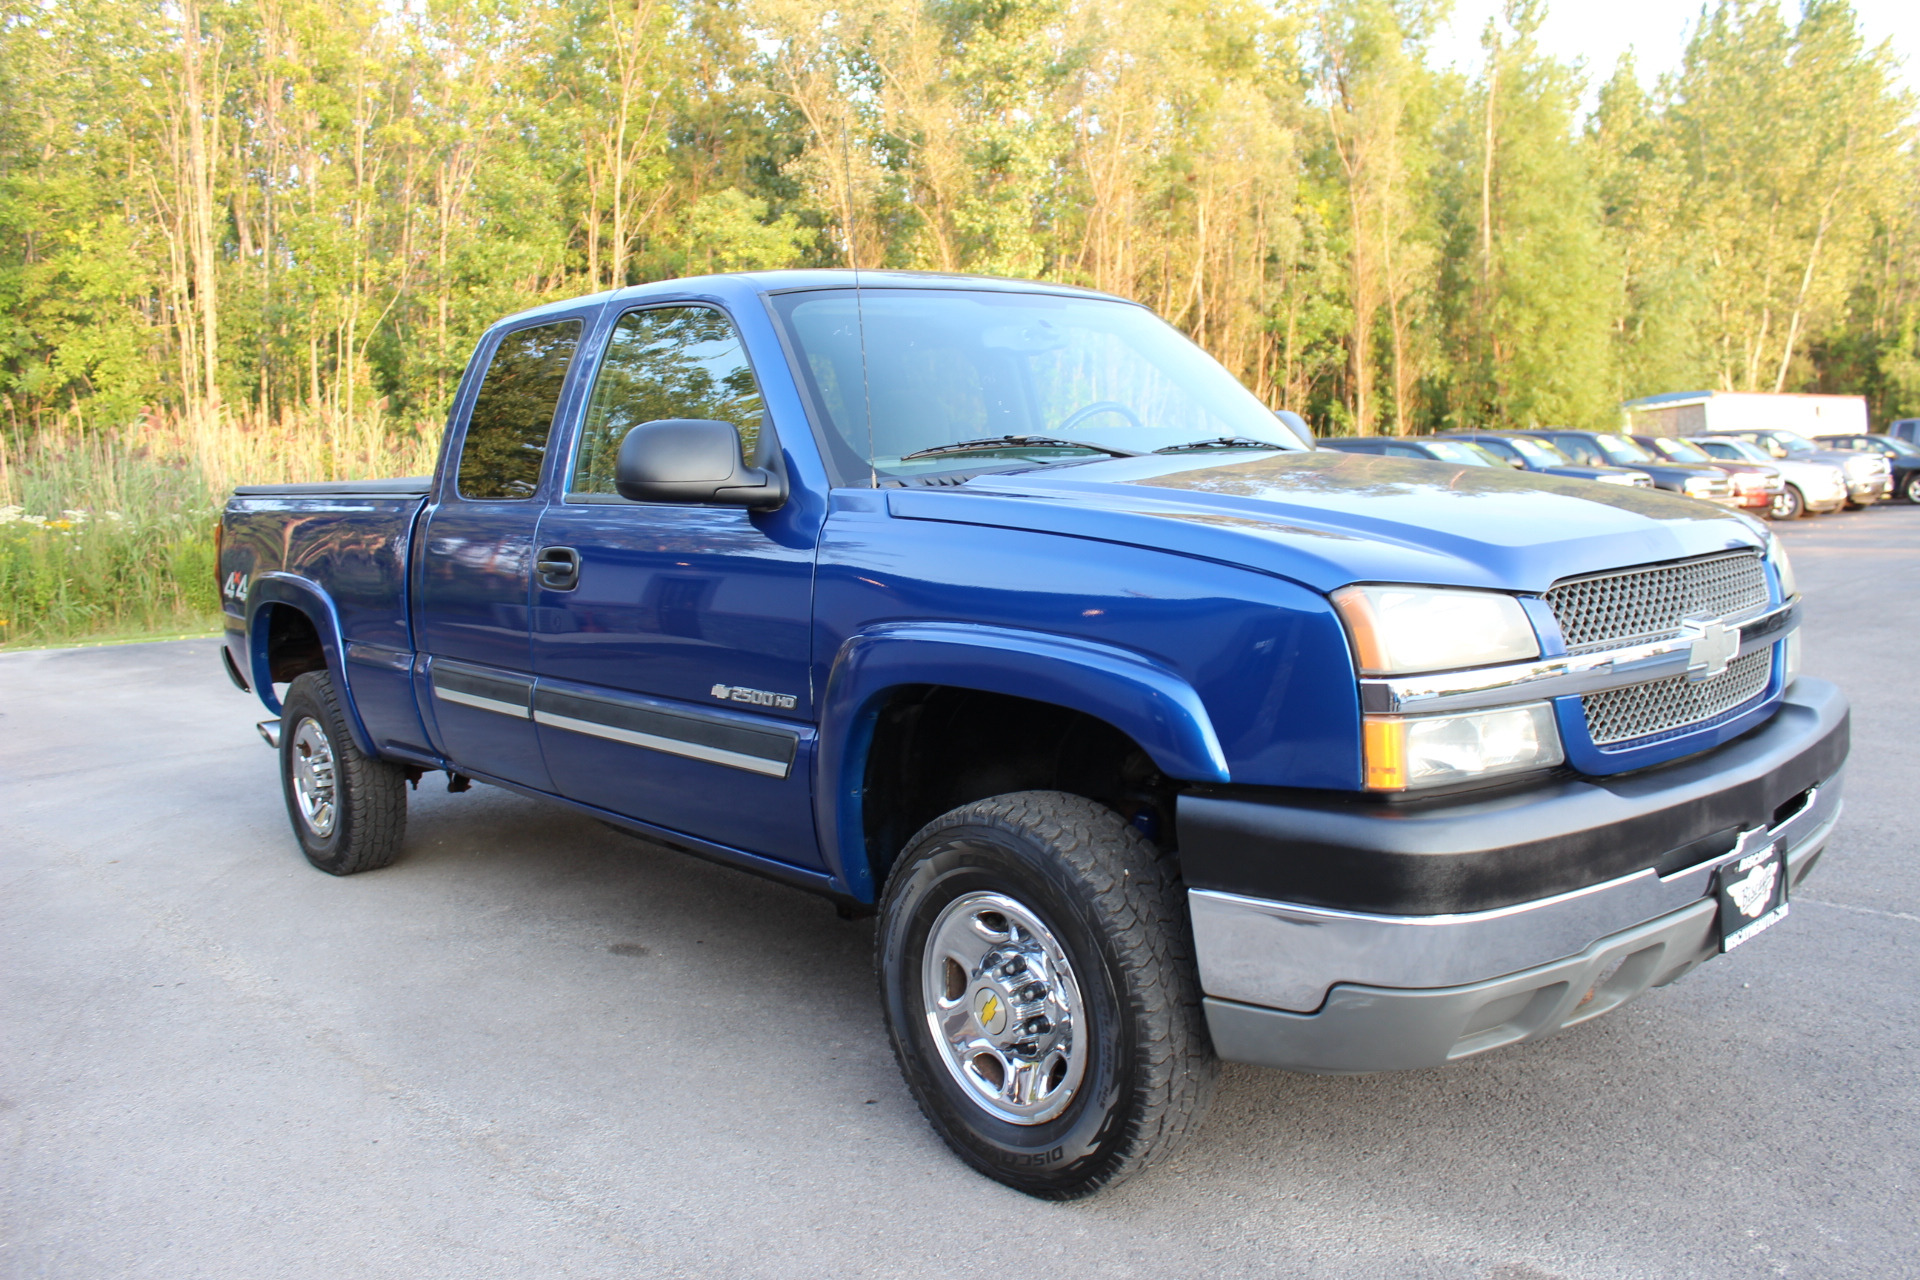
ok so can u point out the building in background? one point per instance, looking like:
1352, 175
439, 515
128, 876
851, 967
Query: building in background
1701, 413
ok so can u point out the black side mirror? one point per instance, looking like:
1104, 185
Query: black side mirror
693, 460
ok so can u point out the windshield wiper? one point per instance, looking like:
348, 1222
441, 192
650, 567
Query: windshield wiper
1223, 442
1016, 442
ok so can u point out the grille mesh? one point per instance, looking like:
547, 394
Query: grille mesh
1675, 703
1613, 609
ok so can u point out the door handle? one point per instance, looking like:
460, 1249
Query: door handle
558, 567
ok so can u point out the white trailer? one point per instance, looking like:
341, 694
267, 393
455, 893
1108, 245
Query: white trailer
1702, 413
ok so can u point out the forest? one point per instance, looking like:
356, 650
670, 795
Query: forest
261, 236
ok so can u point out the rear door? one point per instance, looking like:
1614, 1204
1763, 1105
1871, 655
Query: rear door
476, 558
673, 660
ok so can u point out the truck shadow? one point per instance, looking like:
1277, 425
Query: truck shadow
1696, 1094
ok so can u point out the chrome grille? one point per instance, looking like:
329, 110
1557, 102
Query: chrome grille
1608, 610
1661, 706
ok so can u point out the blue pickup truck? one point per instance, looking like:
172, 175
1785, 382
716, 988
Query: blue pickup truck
1153, 735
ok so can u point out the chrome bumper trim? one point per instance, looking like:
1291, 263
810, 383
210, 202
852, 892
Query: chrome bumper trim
1573, 675
1287, 956
1364, 1029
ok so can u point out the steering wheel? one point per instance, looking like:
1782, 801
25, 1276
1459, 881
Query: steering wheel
1086, 411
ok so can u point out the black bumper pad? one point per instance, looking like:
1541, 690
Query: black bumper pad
1468, 853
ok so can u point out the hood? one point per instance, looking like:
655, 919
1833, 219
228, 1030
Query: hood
1584, 472
1839, 457
1327, 519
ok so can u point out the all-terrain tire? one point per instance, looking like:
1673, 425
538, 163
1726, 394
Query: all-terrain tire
1099, 890
349, 810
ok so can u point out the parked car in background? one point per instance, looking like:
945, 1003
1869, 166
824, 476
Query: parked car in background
1546, 458
1455, 451
1607, 448
1755, 484
1907, 429
1869, 478
1811, 487
1902, 457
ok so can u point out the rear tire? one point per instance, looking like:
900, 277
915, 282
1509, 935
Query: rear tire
1788, 504
1037, 975
349, 810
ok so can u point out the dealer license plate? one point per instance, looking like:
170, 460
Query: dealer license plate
1753, 894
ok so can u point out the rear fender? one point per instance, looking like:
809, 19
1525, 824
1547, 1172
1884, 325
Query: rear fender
303, 595
1141, 698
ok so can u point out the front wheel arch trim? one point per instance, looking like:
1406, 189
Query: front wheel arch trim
1137, 696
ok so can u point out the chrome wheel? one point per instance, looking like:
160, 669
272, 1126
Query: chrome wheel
310, 761
1001, 1003
1786, 504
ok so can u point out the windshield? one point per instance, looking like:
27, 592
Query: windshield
1538, 452
1735, 450
1461, 451
1790, 443
1577, 448
1897, 448
1621, 451
949, 367
1682, 450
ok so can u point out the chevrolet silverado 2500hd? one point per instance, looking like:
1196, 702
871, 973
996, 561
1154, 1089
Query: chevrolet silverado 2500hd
1153, 735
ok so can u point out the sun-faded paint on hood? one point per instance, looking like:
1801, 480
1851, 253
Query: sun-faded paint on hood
1327, 519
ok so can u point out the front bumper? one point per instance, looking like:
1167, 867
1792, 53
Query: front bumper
1869, 491
1332, 989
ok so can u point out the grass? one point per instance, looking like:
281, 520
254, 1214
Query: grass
107, 534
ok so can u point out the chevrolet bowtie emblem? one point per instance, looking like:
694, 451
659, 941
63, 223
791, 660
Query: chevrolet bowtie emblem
1715, 644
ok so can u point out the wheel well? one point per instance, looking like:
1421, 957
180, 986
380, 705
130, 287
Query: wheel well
936, 748
293, 644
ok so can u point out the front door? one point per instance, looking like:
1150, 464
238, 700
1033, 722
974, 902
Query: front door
673, 662
476, 566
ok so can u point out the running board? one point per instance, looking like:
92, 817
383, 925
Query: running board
270, 733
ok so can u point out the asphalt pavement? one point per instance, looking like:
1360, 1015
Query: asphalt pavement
538, 1048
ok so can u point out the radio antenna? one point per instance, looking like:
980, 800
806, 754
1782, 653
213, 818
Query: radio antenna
859, 308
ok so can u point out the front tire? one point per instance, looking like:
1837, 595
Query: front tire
1788, 504
349, 810
1912, 487
1037, 976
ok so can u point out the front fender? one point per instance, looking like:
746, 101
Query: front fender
1136, 695
293, 591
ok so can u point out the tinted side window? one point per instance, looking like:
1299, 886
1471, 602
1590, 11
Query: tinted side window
512, 415
667, 362
1404, 451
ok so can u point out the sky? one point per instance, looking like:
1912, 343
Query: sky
1656, 30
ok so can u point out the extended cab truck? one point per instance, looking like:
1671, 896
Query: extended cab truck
1153, 735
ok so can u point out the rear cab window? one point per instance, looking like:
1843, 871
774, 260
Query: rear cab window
512, 420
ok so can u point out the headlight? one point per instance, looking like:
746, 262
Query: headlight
1398, 630
1749, 482
1782, 569
1431, 751
1860, 466
1699, 485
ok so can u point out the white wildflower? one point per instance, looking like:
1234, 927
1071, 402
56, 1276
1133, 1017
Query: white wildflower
11, 514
